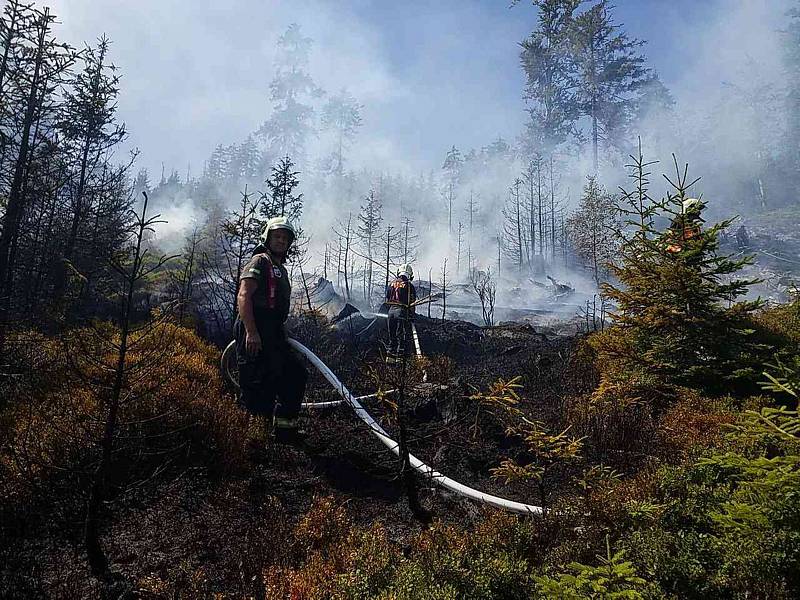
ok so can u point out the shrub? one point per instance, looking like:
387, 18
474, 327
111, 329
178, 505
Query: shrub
332, 557
730, 526
693, 424
613, 578
180, 407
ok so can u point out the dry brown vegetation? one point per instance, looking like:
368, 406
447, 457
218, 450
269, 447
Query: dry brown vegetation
198, 507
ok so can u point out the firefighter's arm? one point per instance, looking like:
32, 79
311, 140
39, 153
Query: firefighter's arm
244, 301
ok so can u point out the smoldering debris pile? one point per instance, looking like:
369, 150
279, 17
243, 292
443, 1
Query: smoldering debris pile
556, 304
774, 244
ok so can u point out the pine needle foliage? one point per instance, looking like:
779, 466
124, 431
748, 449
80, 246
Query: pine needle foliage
676, 295
592, 227
544, 451
613, 578
732, 517
785, 378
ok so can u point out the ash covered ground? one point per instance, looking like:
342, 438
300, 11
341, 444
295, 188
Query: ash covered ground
200, 517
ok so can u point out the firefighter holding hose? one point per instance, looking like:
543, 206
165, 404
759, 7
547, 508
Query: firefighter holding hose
400, 297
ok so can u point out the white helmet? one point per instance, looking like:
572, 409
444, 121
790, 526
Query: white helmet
406, 270
690, 204
278, 223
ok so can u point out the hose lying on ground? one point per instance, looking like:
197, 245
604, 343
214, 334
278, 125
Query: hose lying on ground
375, 317
380, 433
778, 257
230, 349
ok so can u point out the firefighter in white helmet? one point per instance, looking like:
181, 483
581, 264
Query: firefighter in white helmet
685, 226
268, 370
400, 297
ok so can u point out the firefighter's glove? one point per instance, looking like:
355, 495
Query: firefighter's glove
252, 343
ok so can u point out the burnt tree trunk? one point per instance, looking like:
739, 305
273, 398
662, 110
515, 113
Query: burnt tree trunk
16, 197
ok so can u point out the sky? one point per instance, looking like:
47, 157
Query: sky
429, 74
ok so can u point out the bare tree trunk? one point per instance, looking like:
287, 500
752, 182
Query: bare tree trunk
98, 561
593, 84
552, 212
531, 219
16, 200
518, 223
364, 280
595, 252
539, 201
444, 289
406, 470
450, 208
346, 253
405, 242
388, 256
339, 261
305, 287
72, 238
43, 258
430, 289
458, 252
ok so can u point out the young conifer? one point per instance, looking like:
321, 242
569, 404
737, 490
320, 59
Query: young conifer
676, 296
592, 226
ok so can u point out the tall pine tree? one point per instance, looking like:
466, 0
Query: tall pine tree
291, 91
33, 66
550, 85
368, 233
90, 131
282, 200
592, 226
342, 116
610, 73
792, 63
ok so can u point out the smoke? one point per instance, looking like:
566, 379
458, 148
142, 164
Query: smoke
196, 74
429, 76
176, 221
728, 85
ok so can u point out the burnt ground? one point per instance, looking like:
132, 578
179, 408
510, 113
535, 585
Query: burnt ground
199, 518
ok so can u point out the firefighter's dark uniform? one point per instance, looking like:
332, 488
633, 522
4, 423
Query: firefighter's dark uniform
276, 370
742, 237
400, 295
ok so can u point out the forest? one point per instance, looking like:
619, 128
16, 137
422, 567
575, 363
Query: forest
605, 349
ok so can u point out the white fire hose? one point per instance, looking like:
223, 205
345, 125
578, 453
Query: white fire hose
380, 433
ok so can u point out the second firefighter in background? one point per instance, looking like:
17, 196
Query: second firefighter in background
400, 298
